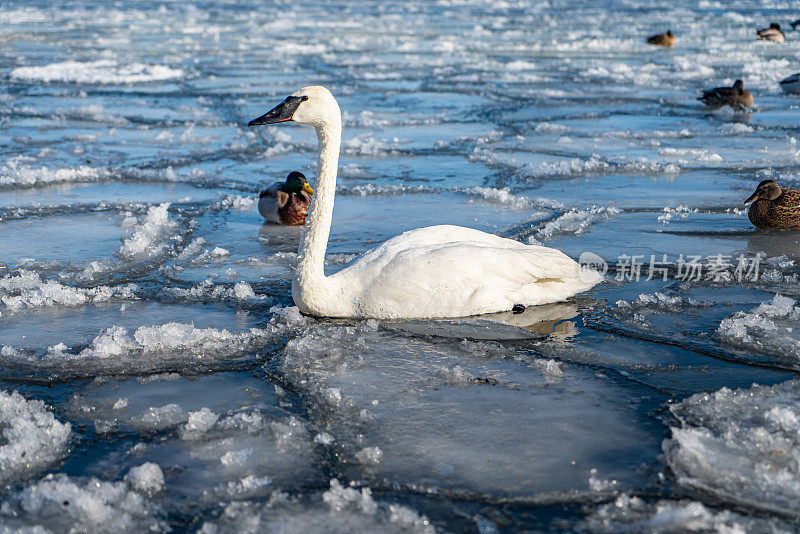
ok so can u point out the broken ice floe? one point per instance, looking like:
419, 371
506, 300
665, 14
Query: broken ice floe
742, 446
151, 349
214, 442
424, 405
768, 329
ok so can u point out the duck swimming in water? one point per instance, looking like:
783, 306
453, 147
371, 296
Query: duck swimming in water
662, 39
736, 96
433, 272
773, 33
774, 206
286, 202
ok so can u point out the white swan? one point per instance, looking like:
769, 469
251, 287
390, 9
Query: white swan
438, 271
791, 85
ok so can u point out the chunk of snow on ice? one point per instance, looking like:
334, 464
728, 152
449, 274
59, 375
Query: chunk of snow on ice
594, 165
370, 456
284, 514
160, 418
208, 291
33, 439
770, 328
199, 423
26, 290
239, 203
628, 514
669, 213
60, 504
501, 196
576, 222
339, 498
235, 457
150, 234
323, 438
146, 478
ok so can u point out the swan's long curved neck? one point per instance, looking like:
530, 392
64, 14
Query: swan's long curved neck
310, 274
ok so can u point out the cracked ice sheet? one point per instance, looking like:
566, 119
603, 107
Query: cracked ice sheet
217, 437
473, 417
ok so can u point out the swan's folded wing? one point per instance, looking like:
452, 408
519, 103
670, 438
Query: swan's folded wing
464, 278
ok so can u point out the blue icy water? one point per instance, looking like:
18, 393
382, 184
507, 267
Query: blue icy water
145, 303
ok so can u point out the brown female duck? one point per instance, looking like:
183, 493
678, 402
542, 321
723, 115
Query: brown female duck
773, 33
286, 202
736, 96
774, 206
662, 39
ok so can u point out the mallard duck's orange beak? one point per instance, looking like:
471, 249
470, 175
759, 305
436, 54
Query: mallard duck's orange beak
752, 198
307, 189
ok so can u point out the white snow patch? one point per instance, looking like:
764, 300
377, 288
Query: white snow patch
103, 71
19, 172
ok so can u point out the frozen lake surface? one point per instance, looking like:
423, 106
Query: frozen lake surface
155, 374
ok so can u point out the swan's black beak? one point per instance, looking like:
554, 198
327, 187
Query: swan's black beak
281, 113
752, 198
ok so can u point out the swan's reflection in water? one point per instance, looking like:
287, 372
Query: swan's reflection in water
535, 323
548, 319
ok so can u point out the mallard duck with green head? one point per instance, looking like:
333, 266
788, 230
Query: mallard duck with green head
774, 206
286, 202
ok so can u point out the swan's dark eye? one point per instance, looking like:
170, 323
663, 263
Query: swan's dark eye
303, 98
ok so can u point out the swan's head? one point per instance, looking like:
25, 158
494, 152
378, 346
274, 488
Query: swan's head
767, 190
314, 106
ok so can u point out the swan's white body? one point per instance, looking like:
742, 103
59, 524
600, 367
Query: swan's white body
791, 85
438, 271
